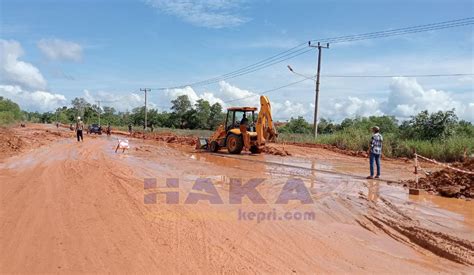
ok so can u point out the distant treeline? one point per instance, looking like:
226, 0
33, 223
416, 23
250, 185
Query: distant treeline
440, 135
183, 114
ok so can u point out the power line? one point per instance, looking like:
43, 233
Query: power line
301, 49
260, 63
250, 69
312, 79
267, 91
335, 76
395, 75
385, 76
400, 31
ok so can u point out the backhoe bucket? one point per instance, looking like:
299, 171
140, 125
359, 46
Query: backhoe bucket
202, 143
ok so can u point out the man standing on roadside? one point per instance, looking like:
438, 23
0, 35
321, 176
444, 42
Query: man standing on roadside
375, 151
79, 128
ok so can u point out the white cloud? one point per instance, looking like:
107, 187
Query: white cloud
230, 95
287, 109
238, 96
33, 101
193, 96
407, 97
120, 103
338, 109
203, 13
57, 49
16, 72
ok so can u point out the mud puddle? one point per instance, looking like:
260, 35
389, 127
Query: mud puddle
322, 184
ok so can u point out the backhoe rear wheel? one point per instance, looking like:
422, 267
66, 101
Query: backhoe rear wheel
235, 144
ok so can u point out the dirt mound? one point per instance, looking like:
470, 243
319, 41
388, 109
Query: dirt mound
275, 151
169, 137
450, 183
16, 140
166, 137
9, 142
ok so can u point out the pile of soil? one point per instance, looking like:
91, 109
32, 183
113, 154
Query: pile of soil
9, 142
16, 140
167, 137
450, 183
275, 151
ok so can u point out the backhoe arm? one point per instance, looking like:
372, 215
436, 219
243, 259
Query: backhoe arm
265, 128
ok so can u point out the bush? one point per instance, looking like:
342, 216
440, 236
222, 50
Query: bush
9, 111
437, 135
296, 126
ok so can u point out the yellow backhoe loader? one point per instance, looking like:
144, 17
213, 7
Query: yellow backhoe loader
243, 129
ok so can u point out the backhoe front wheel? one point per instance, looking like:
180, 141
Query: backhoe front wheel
214, 147
255, 149
235, 144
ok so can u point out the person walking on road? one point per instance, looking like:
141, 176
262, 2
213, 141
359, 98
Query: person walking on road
375, 152
79, 129
130, 128
109, 129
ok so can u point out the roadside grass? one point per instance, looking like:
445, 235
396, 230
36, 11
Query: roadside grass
448, 150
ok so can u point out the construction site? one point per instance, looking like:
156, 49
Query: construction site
69, 207
231, 137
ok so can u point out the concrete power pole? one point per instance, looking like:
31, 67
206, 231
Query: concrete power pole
145, 90
316, 100
98, 102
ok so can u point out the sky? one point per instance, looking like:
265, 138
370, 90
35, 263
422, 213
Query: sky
52, 51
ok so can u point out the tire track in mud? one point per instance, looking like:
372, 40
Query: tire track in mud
388, 219
392, 221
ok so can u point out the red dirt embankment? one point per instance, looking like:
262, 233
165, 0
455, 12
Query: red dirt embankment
448, 182
190, 140
15, 140
162, 136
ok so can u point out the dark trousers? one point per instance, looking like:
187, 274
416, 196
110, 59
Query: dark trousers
79, 135
376, 158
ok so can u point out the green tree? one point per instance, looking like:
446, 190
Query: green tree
296, 126
181, 107
426, 126
464, 128
216, 116
9, 111
326, 126
79, 106
137, 117
203, 112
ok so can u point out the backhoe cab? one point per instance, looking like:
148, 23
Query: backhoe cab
243, 129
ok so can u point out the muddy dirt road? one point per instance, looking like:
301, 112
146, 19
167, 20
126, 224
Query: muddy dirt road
79, 207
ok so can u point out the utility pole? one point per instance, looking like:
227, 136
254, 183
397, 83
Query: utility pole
145, 90
98, 102
316, 100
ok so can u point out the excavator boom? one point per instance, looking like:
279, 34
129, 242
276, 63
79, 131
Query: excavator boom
265, 128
